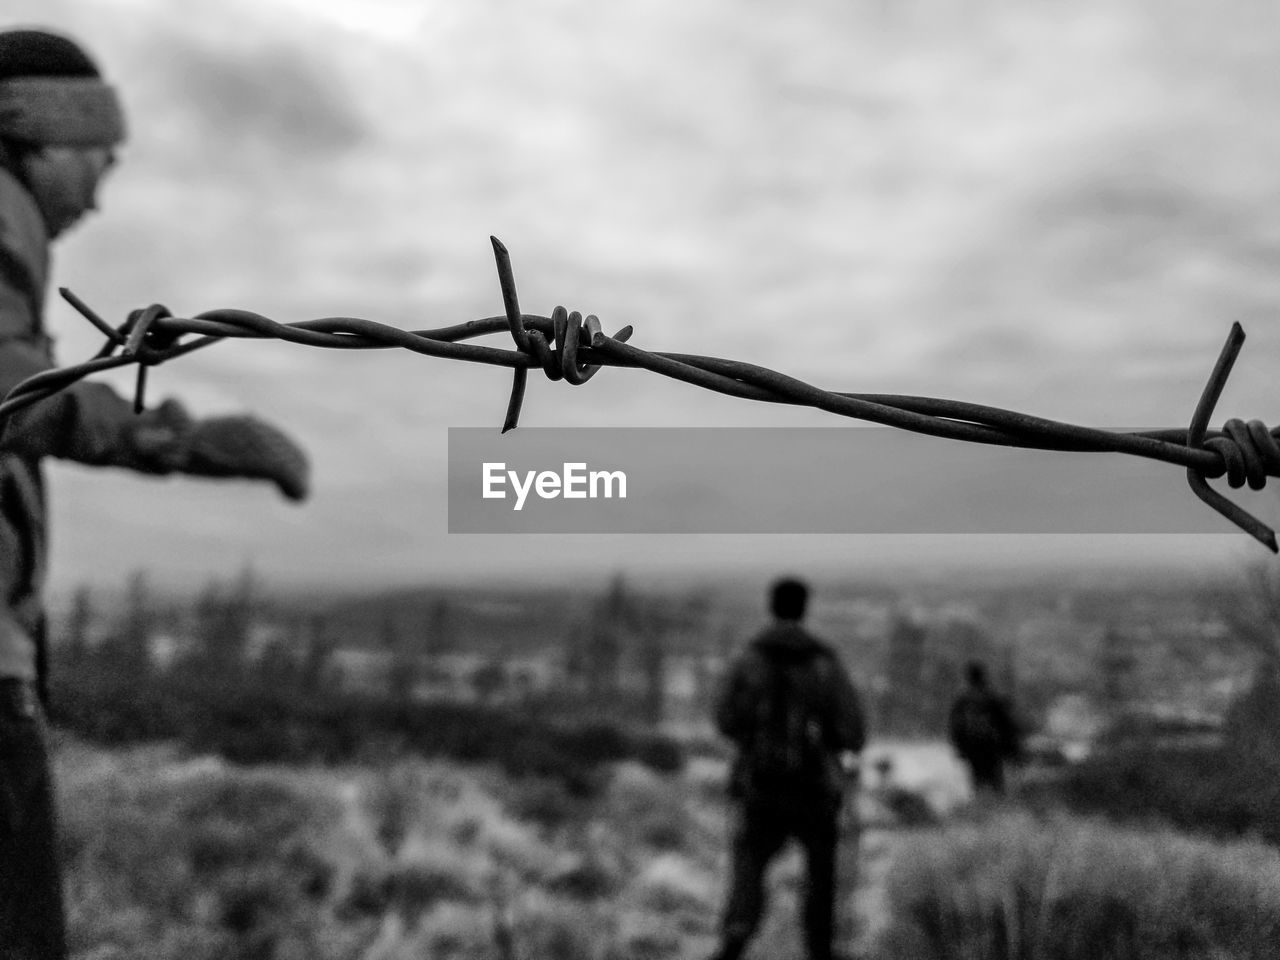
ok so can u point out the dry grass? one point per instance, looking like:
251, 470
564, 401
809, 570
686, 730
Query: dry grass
176, 856
1017, 887
169, 855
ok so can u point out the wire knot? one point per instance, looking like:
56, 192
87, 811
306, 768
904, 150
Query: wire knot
1247, 453
1244, 452
559, 362
148, 344
146, 341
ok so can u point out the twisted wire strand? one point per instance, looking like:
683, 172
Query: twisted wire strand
566, 346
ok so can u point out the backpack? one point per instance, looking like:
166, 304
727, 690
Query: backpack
786, 757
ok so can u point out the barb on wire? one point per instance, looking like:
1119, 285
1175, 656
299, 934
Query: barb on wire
567, 347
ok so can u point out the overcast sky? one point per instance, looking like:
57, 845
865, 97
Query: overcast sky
1057, 207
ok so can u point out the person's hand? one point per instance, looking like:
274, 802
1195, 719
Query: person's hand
166, 439
244, 446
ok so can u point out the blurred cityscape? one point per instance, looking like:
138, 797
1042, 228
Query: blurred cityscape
1082, 654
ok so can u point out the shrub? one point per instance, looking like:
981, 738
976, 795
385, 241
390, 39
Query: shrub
570, 931
409, 889
1203, 789
651, 812
253, 723
661, 753
545, 802
587, 877
170, 859
671, 884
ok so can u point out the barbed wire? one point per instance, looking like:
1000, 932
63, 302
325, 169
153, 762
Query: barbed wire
567, 346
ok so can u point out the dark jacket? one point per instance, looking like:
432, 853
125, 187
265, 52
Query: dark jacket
821, 682
87, 422
997, 736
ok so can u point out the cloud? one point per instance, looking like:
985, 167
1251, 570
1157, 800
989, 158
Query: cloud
268, 98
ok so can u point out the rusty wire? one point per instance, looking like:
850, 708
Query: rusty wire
1245, 452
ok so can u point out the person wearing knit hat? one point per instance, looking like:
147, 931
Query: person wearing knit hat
60, 125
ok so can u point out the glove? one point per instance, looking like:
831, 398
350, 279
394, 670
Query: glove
166, 439
244, 446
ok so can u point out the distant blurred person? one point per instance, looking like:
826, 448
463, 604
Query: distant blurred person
983, 731
59, 127
791, 710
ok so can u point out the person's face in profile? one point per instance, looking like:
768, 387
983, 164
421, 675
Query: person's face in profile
64, 181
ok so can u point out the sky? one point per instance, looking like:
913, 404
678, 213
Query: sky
1057, 207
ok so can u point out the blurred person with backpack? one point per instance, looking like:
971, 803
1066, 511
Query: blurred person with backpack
983, 731
790, 708
60, 125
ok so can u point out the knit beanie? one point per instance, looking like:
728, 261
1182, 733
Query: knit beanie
52, 93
